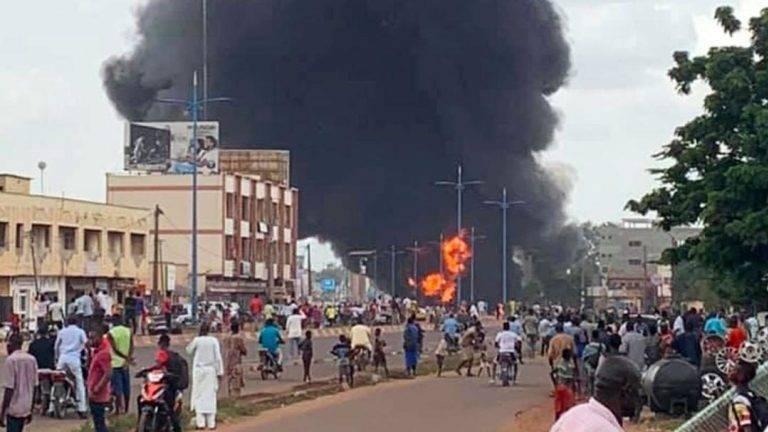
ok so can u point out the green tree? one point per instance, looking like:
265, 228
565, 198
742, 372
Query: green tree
718, 172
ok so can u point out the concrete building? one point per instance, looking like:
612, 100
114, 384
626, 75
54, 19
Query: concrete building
628, 254
271, 165
247, 230
65, 247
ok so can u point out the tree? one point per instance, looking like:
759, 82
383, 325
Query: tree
718, 175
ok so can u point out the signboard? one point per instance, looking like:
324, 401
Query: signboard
328, 285
167, 147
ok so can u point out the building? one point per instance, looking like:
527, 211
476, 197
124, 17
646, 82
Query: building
65, 247
247, 230
270, 165
628, 255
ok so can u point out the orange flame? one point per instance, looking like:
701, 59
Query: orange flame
455, 253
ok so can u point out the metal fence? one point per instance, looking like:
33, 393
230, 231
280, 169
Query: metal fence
714, 417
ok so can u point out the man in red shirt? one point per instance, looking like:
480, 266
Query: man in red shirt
256, 306
99, 376
736, 334
166, 309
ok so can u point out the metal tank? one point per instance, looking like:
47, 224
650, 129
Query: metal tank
672, 386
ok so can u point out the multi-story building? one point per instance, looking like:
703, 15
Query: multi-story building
629, 255
247, 229
64, 247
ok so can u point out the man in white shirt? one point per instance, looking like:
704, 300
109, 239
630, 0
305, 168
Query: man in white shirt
69, 346
105, 302
207, 370
293, 327
57, 313
506, 344
678, 327
361, 337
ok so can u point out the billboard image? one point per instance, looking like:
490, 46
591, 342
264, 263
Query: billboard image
167, 147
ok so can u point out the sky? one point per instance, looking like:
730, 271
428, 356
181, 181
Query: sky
617, 109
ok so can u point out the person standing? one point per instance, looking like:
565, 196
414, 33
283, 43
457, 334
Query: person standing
85, 310
531, 329
70, 344
41, 311
141, 313
633, 344
129, 311
207, 370
20, 374
167, 309
120, 339
379, 356
688, 346
306, 355
256, 306
617, 383
546, 331
736, 334
293, 327
235, 350
57, 313
99, 378
411, 346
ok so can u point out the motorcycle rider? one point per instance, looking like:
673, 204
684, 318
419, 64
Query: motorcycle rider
270, 339
506, 343
361, 338
70, 344
450, 330
163, 361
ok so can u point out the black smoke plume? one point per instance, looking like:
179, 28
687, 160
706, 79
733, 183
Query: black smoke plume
376, 100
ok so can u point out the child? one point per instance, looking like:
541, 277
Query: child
440, 352
379, 357
563, 375
342, 351
485, 365
305, 347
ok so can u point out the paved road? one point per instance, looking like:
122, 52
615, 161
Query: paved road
440, 404
323, 368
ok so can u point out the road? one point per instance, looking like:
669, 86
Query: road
451, 403
323, 368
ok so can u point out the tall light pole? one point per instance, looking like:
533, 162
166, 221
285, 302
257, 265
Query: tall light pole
193, 105
416, 251
460, 184
504, 205
41, 166
393, 253
472, 238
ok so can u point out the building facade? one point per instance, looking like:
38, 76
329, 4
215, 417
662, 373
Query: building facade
247, 230
64, 247
628, 255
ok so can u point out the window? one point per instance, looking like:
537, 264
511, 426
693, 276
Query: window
245, 248
20, 236
67, 238
230, 206
246, 209
259, 252
635, 243
92, 242
3, 235
260, 209
288, 219
229, 247
115, 242
138, 245
41, 236
605, 269
635, 262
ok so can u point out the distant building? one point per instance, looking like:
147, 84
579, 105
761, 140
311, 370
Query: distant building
628, 255
271, 165
64, 247
247, 229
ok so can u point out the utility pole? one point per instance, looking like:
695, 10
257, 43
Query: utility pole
504, 205
205, 59
156, 267
393, 253
309, 270
416, 250
194, 105
472, 238
460, 184
34, 263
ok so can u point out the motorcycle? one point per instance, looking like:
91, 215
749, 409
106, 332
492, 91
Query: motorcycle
268, 365
62, 392
362, 357
154, 412
453, 343
507, 368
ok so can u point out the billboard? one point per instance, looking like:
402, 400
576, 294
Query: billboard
167, 147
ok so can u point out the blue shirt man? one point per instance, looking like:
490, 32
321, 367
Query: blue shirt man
269, 337
515, 326
715, 325
450, 326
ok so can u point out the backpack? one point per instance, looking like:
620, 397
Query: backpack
758, 410
177, 366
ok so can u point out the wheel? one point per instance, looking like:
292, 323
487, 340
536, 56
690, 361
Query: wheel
58, 393
726, 359
145, 422
712, 386
505, 376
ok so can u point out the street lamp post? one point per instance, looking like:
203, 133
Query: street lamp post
393, 253
504, 205
193, 106
460, 184
472, 238
416, 251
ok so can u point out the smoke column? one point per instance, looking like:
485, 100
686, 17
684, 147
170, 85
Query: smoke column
376, 100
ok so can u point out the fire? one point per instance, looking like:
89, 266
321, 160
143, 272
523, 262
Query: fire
455, 253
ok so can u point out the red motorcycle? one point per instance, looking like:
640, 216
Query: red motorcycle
154, 412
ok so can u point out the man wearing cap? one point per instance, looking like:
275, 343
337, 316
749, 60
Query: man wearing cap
617, 385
